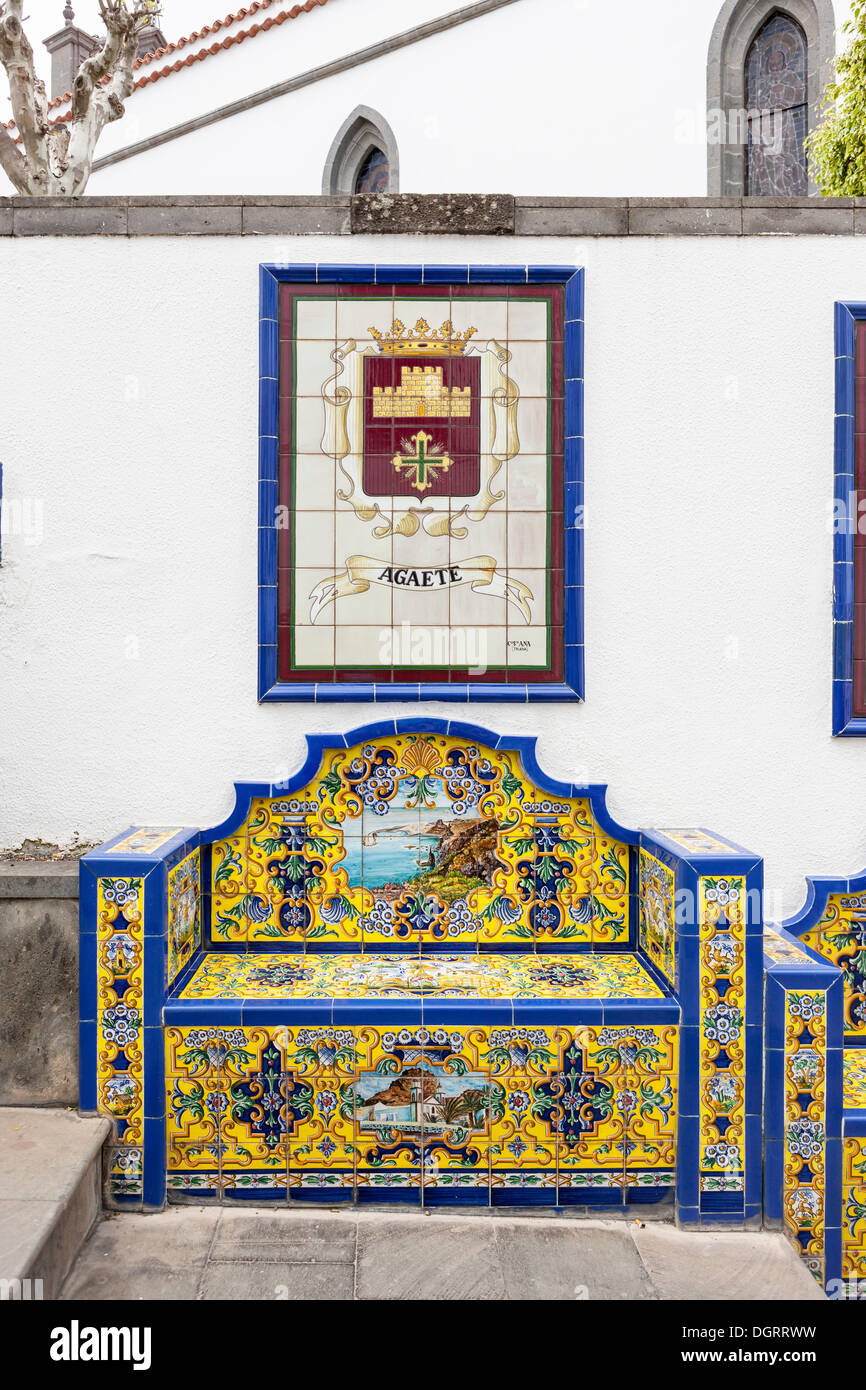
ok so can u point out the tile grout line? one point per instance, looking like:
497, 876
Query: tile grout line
355, 1266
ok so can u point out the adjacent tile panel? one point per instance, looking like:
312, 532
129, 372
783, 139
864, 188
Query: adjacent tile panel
722, 1073
840, 937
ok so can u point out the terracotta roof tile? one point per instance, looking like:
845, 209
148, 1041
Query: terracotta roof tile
151, 59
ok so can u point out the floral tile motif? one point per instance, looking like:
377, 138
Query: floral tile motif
380, 974
657, 928
421, 838
840, 937
854, 1209
854, 1078
288, 1110
722, 1072
120, 926
805, 1140
184, 921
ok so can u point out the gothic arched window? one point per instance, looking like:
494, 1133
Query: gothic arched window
374, 174
363, 157
777, 106
767, 67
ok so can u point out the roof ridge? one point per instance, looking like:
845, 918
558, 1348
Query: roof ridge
228, 42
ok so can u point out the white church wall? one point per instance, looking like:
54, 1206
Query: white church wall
541, 96
128, 581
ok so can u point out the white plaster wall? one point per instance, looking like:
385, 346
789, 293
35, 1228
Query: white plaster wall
568, 97
128, 631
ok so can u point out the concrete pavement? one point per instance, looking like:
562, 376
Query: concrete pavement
350, 1254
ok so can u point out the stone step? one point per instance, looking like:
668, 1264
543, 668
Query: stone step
50, 1195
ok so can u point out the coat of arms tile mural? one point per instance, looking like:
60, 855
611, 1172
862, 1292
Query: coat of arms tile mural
420, 483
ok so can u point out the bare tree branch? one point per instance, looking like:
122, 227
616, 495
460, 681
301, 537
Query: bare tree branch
13, 163
57, 157
27, 93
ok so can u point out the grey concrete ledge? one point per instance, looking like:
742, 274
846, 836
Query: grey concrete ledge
56, 878
407, 214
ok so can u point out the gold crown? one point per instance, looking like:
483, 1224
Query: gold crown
423, 338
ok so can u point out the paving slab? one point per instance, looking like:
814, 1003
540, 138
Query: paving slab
292, 1283
727, 1265
570, 1260
268, 1236
433, 1258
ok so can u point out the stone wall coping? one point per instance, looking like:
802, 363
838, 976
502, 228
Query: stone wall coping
499, 215
31, 878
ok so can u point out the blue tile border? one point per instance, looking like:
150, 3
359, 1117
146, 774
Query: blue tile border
572, 688
845, 723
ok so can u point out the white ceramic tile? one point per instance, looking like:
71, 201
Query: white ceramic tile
417, 644
487, 537
316, 318
527, 320
306, 580
527, 646
532, 424
309, 424
313, 367
527, 539
527, 482
314, 482
421, 551
314, 646
536, 583
356, 537
489, 317
314, 540
528, 368
358, 646
355, 316
430, 607
369, 608
483, 648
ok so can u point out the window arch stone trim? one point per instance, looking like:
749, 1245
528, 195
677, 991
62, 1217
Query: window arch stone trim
362, 131
738, 23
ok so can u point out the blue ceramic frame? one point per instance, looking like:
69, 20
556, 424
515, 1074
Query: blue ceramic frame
845, 723
270, 688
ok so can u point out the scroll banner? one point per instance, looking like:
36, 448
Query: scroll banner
480, 571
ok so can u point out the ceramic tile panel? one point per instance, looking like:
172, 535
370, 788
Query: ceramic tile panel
482, 1113
378, 974
421, 838
722, 1070
840, 937
657, 925
119, 1026
805, 1133
396, 420
184, 912
854, 1078
854, 1215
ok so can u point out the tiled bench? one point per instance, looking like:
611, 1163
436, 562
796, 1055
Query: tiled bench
815, 1107
422, 970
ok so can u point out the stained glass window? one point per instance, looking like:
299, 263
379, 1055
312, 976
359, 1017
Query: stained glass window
776, 100
374, 175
